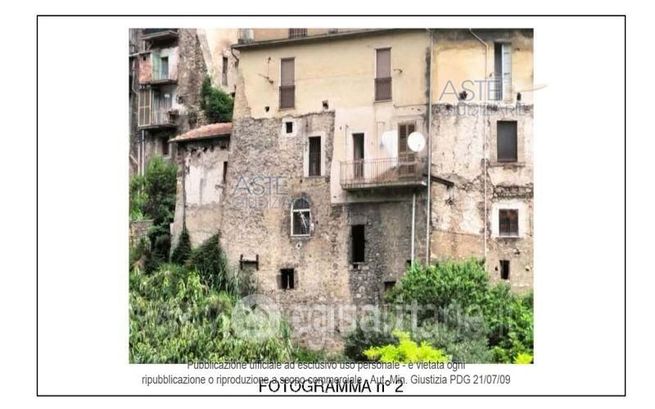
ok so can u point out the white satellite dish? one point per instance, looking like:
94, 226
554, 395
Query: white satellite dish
416, 141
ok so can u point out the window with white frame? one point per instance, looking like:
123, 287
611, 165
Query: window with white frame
301, 218
501, 84
508, 222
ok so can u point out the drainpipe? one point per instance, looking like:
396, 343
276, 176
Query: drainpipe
413, 223
484, 144
428, 208
143, 152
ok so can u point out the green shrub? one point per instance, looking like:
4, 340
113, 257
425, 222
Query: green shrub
471, 319
138, 198
182, 251
152, 196
175, 318
160, 248
210, 262
523, 358
159, 186
216, 104
510, 320
406, 351
443, 284
139, 253
463, 337
358, 340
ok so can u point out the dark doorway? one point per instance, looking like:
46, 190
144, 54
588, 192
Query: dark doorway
358, 155
358, 238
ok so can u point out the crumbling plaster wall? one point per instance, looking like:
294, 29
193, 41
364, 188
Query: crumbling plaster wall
216, 45
200, 189
464, 135
459, 63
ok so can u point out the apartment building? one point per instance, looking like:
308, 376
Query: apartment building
167, 68
354, 153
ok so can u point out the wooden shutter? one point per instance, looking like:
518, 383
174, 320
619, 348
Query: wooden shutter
507, 70
288, 68
144, 107
383, 63
383, 74
287, 83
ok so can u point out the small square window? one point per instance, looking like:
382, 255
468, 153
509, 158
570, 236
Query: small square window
388, 285
287, 279
504, 269
288, 127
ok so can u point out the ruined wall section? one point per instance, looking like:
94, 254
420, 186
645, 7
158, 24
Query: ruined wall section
200, 189
463, 135
191, 73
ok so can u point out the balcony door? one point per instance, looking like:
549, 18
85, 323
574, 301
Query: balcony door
406, 158
358, 155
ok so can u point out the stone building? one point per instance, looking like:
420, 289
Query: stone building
202, 161
354, 153
167, 68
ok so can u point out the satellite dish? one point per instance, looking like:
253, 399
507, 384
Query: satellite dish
416, 141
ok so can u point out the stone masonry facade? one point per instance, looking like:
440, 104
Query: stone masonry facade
356, 242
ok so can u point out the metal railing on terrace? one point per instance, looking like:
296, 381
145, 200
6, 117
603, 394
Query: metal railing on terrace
404, 170
163, 117
162, 75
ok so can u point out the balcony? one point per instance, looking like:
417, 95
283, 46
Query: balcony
162, 76
158, 118
159, 34
403, 171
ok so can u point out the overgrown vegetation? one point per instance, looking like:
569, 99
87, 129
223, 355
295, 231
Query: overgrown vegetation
183, 313
210, 262
152, 196
183, 250
457, 310
216, 104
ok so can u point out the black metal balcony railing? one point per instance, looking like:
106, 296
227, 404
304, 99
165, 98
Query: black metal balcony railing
405, 170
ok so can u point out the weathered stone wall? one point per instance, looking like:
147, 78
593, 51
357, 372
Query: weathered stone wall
139, 230
191, 73
266, 174
200, 188
464, 135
